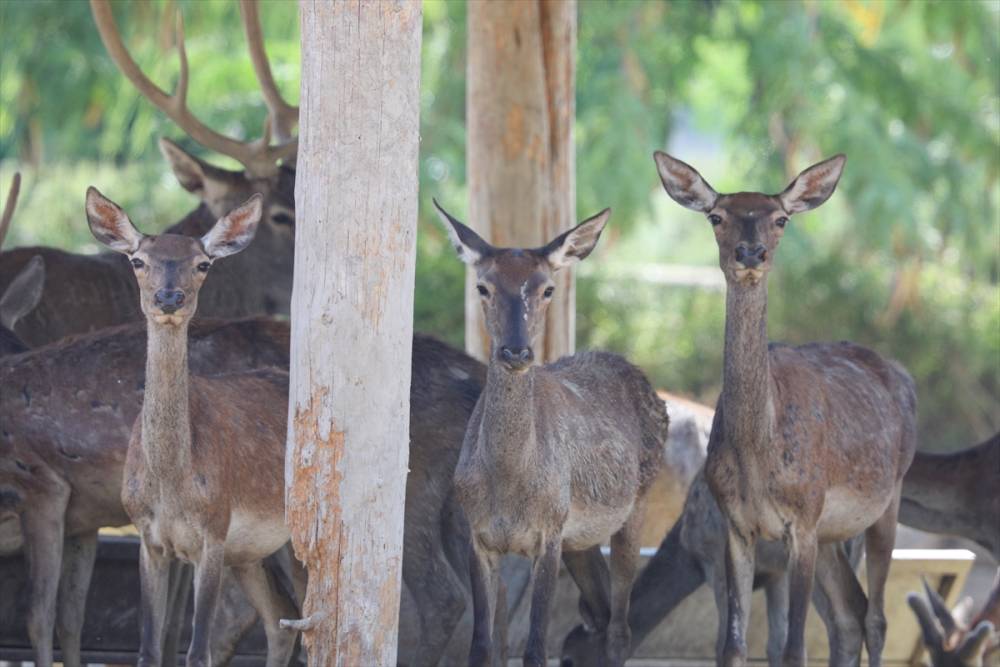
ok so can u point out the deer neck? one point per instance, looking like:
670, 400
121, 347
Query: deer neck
166, 421
507, 431
746, 377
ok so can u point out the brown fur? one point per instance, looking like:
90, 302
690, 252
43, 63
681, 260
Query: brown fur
556, 458
810, 443
956, 494
89, 292
187, 486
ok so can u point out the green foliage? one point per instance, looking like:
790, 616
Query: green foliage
905, 257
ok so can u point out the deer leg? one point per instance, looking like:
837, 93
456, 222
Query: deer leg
841, 603
42, 524
234, 617
79, 553
437, 594
154, 578
272, 605
181, 574
207, 584
483, 573
544, 573
590, 573
801, 571
740, 563
776, 592
879, 541
624, 563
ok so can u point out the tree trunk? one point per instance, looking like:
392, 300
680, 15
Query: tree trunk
352, 321
520, 106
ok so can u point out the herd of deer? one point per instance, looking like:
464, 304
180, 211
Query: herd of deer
178, 428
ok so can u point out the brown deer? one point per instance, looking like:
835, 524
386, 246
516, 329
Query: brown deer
810, 443
25, 291
204, 473
557, 458
951, 642
956, 494
693, 554
91, 292
66, 412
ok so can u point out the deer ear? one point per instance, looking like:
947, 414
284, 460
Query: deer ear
194, 175
928, 626
570, 247
469, 246
684, 184
109, 224
974, 645
23, 293
235, 230
813, 186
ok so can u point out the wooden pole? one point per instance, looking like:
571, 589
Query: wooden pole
520, 109
352, 321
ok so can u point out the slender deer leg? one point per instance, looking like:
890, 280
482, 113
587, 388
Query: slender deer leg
776, 591
801, 570
543, 576
79, 553
482, 569
207, 584
437, 594
879, 541
154, 578
841, 602
500, 622
716, 578
590, 573
42, 525
181, 575
624, 563
234, 617
272, 605
740, 563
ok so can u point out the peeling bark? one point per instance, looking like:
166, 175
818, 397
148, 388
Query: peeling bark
352, 314
520, 108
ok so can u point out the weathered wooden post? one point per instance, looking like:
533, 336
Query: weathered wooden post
352, 321
520, 108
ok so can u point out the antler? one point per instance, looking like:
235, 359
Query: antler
8, 209
283, 115
259, 157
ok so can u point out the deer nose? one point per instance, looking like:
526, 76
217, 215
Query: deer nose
749, 257
168, 300
516, 358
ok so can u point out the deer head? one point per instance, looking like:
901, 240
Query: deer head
171, 268
949, 642
267, 169
515, 285
748, 225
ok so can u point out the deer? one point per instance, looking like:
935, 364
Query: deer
693, 554
810, 444
956, 494
91, 292
204, 470
556, 458
67, 410
25, 290
951, 642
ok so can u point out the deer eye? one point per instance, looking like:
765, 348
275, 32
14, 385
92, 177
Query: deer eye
482, 290
548, 292
282, 219
715, 220
781, 222
137, 263
204, 267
